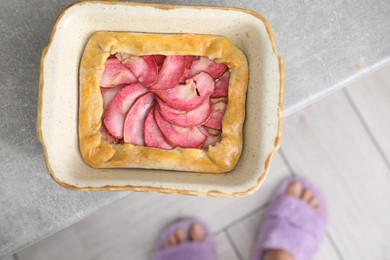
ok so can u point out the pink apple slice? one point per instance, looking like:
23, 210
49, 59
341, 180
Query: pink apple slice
187, 65
186, 137
213, 131
152, 134
159, 59
120, 104
106, 136
215, 120
133, 130
170, 73
216, 100
144, 68
207, 65
115, 73
190, 118
211, 139
221, 86
190, 95
108, 94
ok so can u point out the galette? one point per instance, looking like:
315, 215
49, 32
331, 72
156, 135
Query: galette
162, 101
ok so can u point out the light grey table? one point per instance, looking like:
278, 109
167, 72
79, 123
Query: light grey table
323, 43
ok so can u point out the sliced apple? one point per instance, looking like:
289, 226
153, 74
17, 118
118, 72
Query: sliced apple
211, 139
186, 137
106, 136
207, 65
115, 73
120, 104
190, 95
194, 117
133, 130
152, 134
221, 86
187, 65
213, 131
108, 94
216, 100
170, 73
144, 68
159, 59
215, 120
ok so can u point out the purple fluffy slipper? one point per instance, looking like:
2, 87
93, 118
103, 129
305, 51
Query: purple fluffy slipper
189, 250
290, 224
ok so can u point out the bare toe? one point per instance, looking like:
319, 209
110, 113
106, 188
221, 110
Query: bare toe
306, 195
180, 235
313, 202
295, 189
172, 240
196, 232
166, 245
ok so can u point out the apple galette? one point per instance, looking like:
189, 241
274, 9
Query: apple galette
158, 101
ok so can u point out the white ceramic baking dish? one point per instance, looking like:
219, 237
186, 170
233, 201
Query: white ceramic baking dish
57, 124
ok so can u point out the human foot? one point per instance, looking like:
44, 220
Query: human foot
294, 223
187, 239
195, 233
297, 190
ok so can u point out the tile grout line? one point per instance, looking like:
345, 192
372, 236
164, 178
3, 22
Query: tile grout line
335, 247
257, 209
236, 221
287, 163
366, 128
233, 245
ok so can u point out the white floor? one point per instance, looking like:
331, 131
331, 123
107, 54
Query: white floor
341, 143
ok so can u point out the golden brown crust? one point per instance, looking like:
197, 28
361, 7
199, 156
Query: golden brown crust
98, 153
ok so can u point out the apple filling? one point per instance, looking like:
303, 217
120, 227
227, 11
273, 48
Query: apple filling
163, 101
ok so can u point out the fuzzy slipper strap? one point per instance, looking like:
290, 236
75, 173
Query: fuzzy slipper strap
292, 225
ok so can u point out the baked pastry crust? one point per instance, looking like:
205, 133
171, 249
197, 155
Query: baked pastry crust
97, 153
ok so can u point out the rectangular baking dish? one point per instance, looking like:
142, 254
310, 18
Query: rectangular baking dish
57, 123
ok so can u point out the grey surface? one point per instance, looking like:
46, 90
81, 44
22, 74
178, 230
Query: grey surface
323, 44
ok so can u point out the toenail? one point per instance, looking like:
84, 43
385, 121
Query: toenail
197, 232
295, 189
172, 240
180, 236
306, 195
314, 203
